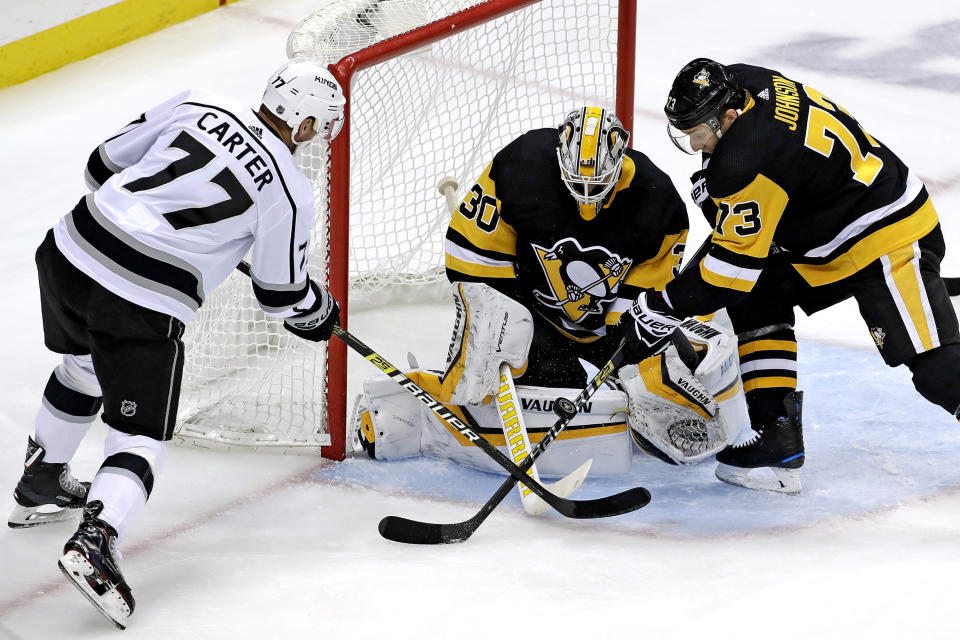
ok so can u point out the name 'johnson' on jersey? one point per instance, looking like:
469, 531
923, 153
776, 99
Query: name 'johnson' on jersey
797, 173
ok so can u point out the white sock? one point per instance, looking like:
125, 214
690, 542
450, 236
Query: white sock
125, 479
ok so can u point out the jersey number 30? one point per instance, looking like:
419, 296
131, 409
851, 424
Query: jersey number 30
198, 156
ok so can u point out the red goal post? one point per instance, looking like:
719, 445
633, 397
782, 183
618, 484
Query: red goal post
434, 87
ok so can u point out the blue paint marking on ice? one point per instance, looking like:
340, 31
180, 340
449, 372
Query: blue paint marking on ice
871, 442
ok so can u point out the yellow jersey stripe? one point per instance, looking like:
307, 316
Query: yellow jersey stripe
767, 345
870, 248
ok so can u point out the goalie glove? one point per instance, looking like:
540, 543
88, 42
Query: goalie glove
646, 331
317, 321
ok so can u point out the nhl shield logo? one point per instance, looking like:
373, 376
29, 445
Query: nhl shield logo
878, 336
702, 78
128, 408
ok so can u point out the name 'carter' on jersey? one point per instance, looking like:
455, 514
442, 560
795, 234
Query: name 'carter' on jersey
797, 174
178, 197
519, 230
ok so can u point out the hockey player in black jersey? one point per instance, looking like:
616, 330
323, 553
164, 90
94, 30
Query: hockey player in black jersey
177, 199
559, 233
807, 209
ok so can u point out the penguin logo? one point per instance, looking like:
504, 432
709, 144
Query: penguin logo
702, 78
579, 279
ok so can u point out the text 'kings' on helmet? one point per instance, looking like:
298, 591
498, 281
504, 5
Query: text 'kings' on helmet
301, 89
701, 92
592, 146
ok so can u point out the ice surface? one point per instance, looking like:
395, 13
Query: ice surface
245, 546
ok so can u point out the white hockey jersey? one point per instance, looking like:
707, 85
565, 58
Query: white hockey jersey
179, 196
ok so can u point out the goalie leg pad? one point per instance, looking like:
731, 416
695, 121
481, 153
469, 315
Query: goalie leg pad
490, 328
386, 420
390, 424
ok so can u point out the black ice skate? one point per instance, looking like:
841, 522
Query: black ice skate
91, 562
776, 445
46, 491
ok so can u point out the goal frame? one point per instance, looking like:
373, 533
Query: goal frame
339, 172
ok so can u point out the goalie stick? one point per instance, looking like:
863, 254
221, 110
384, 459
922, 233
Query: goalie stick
613, 505
417, 532
517, 441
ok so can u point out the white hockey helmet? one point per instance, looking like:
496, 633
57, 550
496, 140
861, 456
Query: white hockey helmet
592, 145
301, 89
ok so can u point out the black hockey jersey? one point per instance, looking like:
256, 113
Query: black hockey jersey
796, 173
519, 230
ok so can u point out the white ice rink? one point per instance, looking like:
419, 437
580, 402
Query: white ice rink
259, 546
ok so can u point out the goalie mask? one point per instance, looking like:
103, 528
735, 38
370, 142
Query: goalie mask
701, 93
302, 89
592, 146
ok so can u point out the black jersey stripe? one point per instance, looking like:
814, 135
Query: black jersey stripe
279, 174
767, 355
768, 373
279, 299
97, 169
120, 252
894, 217
461, 241
736, 259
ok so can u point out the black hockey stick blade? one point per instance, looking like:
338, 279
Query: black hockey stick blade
409, 531
953, 286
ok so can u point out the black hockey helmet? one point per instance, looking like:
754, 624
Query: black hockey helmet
702, 90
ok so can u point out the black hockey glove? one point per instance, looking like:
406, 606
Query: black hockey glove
647, 328
702, 199
316, 323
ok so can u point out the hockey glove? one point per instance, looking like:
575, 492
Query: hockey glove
702, 199
646, 331
316, 323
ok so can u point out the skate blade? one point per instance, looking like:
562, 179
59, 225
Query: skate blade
22, 517
87, 579
782, 481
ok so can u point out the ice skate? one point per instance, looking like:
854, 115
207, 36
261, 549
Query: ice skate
770, 454
46, 492
91, 562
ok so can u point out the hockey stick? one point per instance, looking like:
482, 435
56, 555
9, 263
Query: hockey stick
417, 532
953, 286
613, 505
517, 442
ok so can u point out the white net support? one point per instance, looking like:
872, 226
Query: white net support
442, 109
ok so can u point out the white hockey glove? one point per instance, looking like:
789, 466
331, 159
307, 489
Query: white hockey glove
490, 328
316, 322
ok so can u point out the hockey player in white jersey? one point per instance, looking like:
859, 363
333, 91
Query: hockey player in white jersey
178, 198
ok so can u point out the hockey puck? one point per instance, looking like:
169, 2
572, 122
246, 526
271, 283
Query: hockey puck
564, 408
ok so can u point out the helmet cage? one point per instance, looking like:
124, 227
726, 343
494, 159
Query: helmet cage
590, 180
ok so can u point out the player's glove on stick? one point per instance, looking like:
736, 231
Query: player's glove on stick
646, 331
317, 322
700, 196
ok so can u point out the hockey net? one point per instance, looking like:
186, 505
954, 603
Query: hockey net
434, 87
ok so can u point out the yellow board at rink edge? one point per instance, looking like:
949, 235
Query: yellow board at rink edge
93, 33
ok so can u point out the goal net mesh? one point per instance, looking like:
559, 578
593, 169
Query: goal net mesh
443, 109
